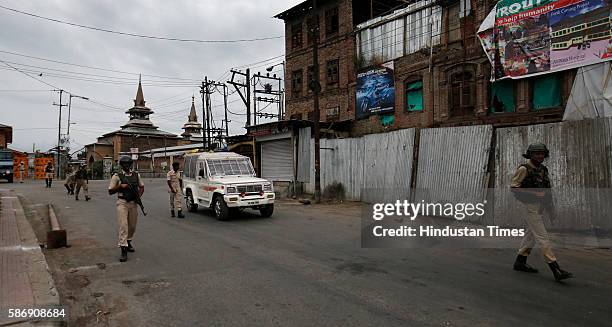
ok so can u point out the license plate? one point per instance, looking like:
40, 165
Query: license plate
253, 202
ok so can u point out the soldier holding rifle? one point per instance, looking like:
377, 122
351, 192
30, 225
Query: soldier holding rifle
129, 188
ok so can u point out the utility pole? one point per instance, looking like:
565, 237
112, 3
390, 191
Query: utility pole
225, 107
316, 88
59, 135
203, 91
246, 98
267, 95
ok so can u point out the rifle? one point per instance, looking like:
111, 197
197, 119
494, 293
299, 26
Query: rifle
135, 191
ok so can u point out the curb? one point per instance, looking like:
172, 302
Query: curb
43, 287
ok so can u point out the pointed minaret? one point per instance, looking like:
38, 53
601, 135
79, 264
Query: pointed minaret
139, 113
139, 101
192, 127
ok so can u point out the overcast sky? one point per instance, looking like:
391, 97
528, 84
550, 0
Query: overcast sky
25, 105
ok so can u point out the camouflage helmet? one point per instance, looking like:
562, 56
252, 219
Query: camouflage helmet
536, 147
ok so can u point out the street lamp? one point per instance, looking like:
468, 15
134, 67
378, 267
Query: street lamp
69, 105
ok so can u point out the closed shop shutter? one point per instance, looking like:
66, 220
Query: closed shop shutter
277, 160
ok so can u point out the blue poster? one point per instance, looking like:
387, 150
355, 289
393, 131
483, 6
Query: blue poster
375, 92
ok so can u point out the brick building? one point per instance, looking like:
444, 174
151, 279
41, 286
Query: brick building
6, 136
446, 84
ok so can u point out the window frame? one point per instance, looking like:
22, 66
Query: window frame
297, 36
463, 109
330, 65
297, 91
332, 21
406, 91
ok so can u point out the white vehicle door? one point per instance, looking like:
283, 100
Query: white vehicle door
203, 182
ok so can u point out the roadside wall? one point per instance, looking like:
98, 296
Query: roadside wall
461, 164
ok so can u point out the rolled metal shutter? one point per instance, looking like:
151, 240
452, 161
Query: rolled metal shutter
277, 160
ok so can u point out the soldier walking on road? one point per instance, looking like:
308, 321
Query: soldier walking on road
175, 181
531, 186
69, 183
48, 174
126, 184
82, 181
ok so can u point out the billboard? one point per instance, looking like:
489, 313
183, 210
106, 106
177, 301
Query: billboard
375, 93
530, 37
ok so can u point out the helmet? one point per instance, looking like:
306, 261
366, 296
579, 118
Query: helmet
126, 162
536, 147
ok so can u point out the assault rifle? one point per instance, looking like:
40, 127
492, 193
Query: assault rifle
136, 192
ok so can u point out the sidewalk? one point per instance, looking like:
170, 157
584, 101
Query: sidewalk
25, 279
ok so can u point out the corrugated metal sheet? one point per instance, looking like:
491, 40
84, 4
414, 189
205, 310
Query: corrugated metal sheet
342, 161
303, 155
380, 164
452, 164
388, 166
580, 168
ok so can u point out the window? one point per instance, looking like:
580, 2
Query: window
462, 91
296, 36
546, 91
311, 28
332, 113
414, 96
233, 167
331, 21
296, 82
501, 96
333, 74
454, 26
310, 77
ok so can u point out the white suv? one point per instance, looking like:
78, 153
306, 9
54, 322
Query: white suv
225, 182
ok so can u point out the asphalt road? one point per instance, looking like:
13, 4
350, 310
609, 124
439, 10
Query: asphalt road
302, 267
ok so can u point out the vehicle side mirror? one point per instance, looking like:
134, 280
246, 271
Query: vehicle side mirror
201, 173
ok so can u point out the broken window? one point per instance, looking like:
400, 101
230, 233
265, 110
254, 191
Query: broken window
501, 96
546, 92
414, 96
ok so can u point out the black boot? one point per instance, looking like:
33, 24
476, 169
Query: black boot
76, 198
559, 273
68, 189
172, 213
130, 248
124, 251
87, 198
180, 214
521, 265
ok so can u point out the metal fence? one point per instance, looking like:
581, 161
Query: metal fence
454, 165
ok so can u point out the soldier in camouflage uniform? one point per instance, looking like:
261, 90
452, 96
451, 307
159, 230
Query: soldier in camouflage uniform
531, 186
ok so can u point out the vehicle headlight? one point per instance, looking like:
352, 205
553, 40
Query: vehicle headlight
8, 171
231, 189
267, 187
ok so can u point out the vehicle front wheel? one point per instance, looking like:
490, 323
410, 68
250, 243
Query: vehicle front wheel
10, 179
221, 209
191, 205
267, 211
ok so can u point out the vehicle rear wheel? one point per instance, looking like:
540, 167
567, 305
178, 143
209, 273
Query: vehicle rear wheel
267, 211
221, 209
191, 205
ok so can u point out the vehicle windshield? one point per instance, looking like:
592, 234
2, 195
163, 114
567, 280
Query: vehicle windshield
231, 167
6, 155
